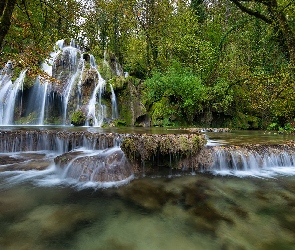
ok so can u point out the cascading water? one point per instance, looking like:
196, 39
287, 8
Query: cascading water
114, 104
79, 102
47, 65
75, 68
36, 105
48, 102
96, 110
8, 94
259, 160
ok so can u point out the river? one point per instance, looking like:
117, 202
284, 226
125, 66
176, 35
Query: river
199, 210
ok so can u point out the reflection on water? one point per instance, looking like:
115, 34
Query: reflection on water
188, 212
239, 137
123, 130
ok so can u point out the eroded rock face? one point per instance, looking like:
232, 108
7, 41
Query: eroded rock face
109, 165
90, 79
131, 105
162, 148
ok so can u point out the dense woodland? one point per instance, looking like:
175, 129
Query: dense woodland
201, 62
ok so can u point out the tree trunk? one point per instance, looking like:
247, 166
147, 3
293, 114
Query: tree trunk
6, 9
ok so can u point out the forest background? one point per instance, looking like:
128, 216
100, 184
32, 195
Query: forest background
226, 63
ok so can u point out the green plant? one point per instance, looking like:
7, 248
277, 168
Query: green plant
78, 118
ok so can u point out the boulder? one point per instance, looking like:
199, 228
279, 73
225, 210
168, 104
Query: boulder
109, 165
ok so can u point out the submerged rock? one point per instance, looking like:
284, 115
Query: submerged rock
147, 195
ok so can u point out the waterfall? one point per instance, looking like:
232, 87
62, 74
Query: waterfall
79, 103
36, 105
55, 140
47, 102
75, 70
96, 111
47, 65
261, 160
60, 44
8, 94
118, 70
43, 106
114, 104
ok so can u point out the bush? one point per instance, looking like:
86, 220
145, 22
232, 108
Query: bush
78, 118
177, 94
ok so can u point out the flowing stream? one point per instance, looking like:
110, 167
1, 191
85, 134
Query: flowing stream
42, 207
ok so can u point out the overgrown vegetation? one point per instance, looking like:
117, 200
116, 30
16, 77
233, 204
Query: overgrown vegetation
78, 118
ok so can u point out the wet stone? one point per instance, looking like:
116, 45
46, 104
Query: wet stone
109, 165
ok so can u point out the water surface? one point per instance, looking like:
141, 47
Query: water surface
39, 209
188, 212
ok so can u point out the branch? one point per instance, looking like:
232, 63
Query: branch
55, 10
252, 12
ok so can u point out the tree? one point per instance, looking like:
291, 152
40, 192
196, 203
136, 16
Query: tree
273, 13
31, 28
6, 10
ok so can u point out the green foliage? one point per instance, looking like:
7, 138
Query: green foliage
244, 121
177, 93
196, 58
222, 96
179, 96
120, 123
273, 126
286, 128
35, 27
78, 118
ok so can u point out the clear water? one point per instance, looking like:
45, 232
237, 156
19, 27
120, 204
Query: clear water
41, 210
188, 212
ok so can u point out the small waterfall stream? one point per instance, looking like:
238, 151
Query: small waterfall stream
43, 104
114, 104
8, 94
96, 110
36, 104
254, 160
74, 73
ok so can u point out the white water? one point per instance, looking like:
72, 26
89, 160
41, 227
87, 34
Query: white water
47, 65
79, 102
73, 75
8, 94
43, 106
114, 104
96, 111
36, 103
37, 108
54, 175
242, 164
